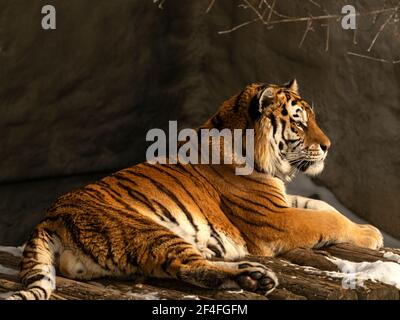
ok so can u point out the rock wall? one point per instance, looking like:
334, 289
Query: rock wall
76, 102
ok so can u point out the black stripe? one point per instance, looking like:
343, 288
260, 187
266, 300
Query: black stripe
236, 106
254, 108
169, 194
273, 123
283, 124
117, 197
213, 232
45, 293
216, 250
94, 193
205, 179
22, 296
263, 195
258, 223
136, 195
166, 212
33, 275
226, 208
265, 192
177, 250
260, 204
35, 294
104, 186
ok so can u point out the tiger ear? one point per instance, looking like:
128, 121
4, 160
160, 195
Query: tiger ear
265, 98
292, 85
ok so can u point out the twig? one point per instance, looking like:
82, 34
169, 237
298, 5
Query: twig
271, 10
315, 3
239, 26
249, 5
382, 27
368, 57
308, 28
327, 36
288, 19
276, 12
330, 16
355, 36
396, 61
211, 4
377, 15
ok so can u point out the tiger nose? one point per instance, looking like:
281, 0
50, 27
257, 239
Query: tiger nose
325, 146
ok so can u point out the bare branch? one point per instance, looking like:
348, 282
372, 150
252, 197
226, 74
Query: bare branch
383, 27
249, 5
210, 5
288, 19
271, 10
315, 3
239, 26
368, 57
308, 28
266, 13
327, 36
355, 36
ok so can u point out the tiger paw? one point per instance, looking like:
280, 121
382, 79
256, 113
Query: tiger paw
367, 236
256, 277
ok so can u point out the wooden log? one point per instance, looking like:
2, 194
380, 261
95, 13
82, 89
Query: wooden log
207, 293
284, 294
314, 283
356, 254
311, 258
302, 274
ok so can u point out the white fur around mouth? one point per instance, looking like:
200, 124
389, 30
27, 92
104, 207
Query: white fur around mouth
315, 168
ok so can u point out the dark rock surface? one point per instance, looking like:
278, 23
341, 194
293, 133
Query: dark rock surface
78, 101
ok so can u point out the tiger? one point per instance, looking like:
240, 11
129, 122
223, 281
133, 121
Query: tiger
196, 223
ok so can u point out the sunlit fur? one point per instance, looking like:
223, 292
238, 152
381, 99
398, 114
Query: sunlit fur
168, 221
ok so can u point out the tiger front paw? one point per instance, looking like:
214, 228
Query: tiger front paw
367, 236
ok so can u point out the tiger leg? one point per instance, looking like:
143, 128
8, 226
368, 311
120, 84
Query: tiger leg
177, 259
163, 254
308, 203
37, 266
314, 228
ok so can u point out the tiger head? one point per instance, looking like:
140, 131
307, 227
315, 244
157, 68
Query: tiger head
287, 136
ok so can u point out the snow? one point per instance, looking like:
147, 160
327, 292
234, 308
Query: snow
15, 251
304, 186
392, 256
146, 296
236, 291
355, 273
